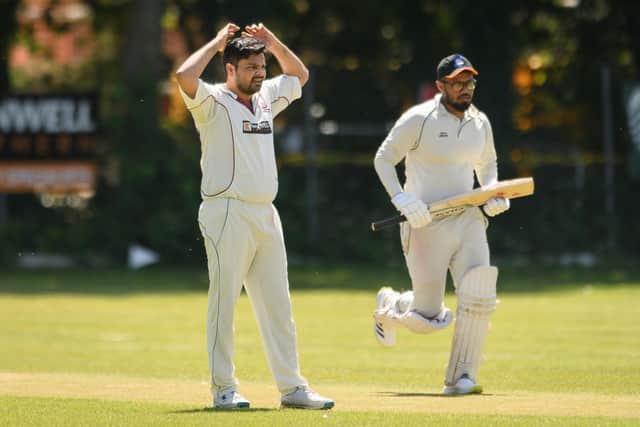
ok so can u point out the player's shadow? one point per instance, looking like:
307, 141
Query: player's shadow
214, 410
401, 394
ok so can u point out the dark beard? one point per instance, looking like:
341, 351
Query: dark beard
249, 89
458, 106
461, 106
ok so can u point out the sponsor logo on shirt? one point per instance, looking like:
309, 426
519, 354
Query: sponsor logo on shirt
264, 107
261, 127
443, 134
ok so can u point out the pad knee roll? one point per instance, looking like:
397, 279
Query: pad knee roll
477, 292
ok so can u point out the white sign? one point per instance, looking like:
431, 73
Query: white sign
47, 115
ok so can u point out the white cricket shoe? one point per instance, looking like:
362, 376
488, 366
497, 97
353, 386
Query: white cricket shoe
385, 334
229, 398
464, 385
305, 398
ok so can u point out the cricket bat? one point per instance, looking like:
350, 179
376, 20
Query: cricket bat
508, 189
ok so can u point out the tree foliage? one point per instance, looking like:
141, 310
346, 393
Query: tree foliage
539, 82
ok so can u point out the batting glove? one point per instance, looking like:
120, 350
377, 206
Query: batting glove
496, 206
414, 209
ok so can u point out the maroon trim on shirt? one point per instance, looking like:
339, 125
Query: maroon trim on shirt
203, 101
278, 99
246, 104
233, 144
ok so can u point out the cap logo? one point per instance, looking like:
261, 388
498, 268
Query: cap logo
459, 62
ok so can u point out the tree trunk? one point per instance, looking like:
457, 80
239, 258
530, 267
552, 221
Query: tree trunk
143, 56
7, 23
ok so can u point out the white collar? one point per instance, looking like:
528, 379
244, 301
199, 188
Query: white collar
471, 112
228, 91
234, 95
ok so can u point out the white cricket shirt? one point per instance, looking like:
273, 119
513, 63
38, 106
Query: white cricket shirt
238, 157
441, 152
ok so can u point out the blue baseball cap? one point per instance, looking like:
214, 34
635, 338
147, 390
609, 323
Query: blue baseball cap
453, 65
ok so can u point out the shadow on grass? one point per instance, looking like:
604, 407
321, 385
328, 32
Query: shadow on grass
104, 281
400, 394
304, 277
512, 279
215, 410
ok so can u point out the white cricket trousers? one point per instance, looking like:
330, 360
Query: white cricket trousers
245, 246
457, 243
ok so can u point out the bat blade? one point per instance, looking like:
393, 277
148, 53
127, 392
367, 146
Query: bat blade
508, 189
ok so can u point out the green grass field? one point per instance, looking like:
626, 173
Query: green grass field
105, 347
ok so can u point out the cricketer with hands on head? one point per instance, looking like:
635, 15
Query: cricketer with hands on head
239, 223
443, 142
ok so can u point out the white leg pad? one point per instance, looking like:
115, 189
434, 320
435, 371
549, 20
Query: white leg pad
416, 322
476, 302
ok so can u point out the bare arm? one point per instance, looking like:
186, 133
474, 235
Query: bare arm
289, 61
191, 70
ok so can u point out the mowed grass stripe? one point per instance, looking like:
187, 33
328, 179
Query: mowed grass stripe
348, 397
53, 412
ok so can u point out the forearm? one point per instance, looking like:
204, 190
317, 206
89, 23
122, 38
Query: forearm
386, 171
487, 174
191, 70
289, 61
487, 169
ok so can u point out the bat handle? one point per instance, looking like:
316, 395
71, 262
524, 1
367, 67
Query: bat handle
388, 222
